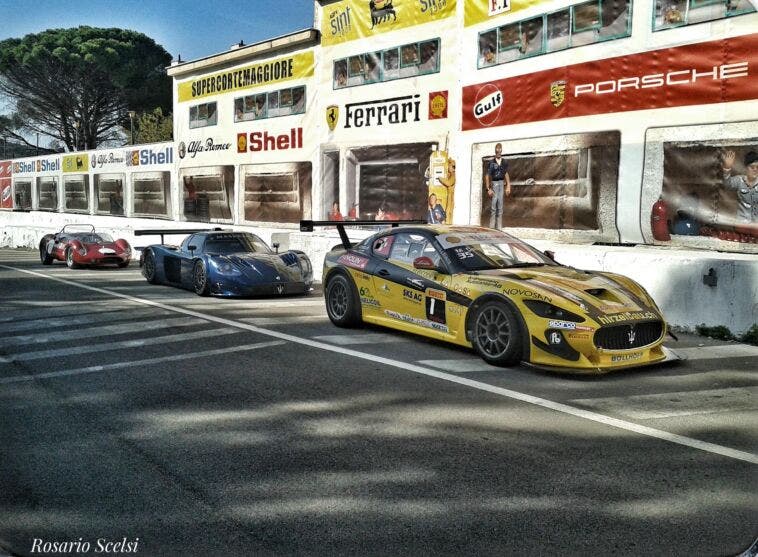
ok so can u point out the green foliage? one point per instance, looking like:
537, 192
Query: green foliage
751, 335
153, 127
79, 84
719, 332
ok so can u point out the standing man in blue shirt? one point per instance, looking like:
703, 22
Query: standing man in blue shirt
497, 173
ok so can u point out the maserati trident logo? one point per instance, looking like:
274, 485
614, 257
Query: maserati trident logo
631, 335
280, 289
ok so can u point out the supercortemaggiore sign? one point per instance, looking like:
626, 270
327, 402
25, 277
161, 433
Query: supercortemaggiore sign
256, 75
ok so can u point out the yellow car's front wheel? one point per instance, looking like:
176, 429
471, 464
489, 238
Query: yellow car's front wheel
497, 335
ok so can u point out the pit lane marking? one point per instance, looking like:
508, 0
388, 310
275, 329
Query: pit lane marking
485, 387
137, 363
719, 352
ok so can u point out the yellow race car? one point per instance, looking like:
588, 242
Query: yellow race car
485, 289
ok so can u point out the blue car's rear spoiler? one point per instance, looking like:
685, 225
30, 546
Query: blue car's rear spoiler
178, 231
308, 225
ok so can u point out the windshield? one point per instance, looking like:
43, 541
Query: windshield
99, 238
225, 244
484, 249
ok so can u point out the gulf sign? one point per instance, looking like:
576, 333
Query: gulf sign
6, 191
696, 74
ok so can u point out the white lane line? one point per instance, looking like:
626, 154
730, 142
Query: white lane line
285, 320
515, 395
111, 346
99, 331
59, 312
139, 363
467, 365
368, 338
108, 314
682, 403
719, 352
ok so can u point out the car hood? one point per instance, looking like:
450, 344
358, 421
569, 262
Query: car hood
266, 266
597, 293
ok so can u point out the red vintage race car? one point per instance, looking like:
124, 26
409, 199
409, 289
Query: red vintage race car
80, 245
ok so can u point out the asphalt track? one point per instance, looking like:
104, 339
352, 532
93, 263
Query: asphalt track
238, 427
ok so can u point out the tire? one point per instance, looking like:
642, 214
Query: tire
342, 303
70, 263
200, 279
44, 257
497, 334
148, 268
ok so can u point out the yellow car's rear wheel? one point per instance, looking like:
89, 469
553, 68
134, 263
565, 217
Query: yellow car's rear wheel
342, 302
497, 335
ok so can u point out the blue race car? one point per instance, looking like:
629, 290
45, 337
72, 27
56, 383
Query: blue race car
226, 263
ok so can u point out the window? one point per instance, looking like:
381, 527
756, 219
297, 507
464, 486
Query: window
584, 23
109, 194
47, 193
676, 13
408, 247
283, 102
76, 191
203, 115
151, 197
22, 192
277, 192
408, 60
208, 193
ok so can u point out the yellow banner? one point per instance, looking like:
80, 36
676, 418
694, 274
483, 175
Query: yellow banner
76, 163
479, 11
348, 20
248, 77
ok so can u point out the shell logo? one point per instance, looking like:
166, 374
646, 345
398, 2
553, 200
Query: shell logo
489, 102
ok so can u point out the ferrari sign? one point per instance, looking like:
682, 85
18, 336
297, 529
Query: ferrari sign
332, 116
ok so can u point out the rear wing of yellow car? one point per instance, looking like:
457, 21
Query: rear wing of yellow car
309, 225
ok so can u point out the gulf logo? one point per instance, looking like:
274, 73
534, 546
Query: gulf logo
489, 102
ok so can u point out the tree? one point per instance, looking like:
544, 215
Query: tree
152, 127
78, 85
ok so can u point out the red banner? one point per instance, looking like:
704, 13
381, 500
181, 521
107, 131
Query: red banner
6, 192
696, 74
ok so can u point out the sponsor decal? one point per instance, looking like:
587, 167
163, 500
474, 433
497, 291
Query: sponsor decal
108, 159
151, 156
455, 309
568, 325
382, 11
626, 357
578, 336
73, 163
332, 116
354, 261
489, 101
6, 198
264, 141
413, 296
437, 294
397, 110
462, 290
385, 289
627, 316
256, 75
416, 321
40, 165
193, 148
484, 282
702, 73
557, 93
438, 105
340, 22
417, 283
555, 337
370, 302
5, 169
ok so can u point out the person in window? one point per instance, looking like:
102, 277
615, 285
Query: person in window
117, 201
381, 214
372, 69
298, 100
672, 15
488, 55
335, 213
495, 177
745, 185
435, 213
428, 57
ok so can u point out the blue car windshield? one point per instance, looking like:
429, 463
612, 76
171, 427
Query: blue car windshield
235, 243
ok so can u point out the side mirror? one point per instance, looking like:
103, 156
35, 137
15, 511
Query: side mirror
276, 246
424, 263
550, 254
192, 247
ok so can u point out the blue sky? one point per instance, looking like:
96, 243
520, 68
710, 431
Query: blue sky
190, 28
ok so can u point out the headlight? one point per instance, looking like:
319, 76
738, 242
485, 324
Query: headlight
227, 268
549, 311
